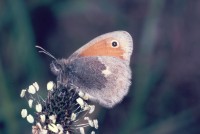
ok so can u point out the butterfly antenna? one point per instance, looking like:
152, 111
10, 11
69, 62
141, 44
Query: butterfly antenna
45, 52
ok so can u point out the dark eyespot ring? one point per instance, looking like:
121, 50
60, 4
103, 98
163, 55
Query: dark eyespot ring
115, 43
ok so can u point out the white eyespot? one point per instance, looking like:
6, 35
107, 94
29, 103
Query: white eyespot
114, 44
106, 72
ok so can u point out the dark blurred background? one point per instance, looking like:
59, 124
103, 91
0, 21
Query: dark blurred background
165, 95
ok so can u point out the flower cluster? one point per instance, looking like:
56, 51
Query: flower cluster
64, 111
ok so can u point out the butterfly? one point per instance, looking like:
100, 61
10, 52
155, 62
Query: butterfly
100, 68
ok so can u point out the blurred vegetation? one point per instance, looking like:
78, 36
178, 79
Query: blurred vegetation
165, 95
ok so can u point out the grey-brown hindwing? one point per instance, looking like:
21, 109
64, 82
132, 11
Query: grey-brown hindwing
85, 73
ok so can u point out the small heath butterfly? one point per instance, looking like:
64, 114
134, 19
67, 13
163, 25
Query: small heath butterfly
100, 68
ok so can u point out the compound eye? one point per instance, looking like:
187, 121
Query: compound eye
115, 44
56, 67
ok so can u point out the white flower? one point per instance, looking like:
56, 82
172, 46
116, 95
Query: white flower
60, 128
39, 125
43, 131
24, 113
86, 118
92, 107
46, 115
23, 93
30, 118
53, 118
81, 94
35, 84
80, 102
35, 129
85, 96
73, 116
86, 107
53, 128
91, 123
92, 132
31, 89
30, 103
38, 107
42, 118
82, 131
50, 85
96, 123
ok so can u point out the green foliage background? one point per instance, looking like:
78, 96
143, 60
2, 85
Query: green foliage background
165, 94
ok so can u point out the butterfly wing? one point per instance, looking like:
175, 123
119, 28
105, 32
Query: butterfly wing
99, 68
106, 79
103, 46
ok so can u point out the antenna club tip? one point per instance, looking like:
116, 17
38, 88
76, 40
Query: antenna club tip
45, 52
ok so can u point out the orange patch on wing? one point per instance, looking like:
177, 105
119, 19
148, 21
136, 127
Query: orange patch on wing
103, 48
